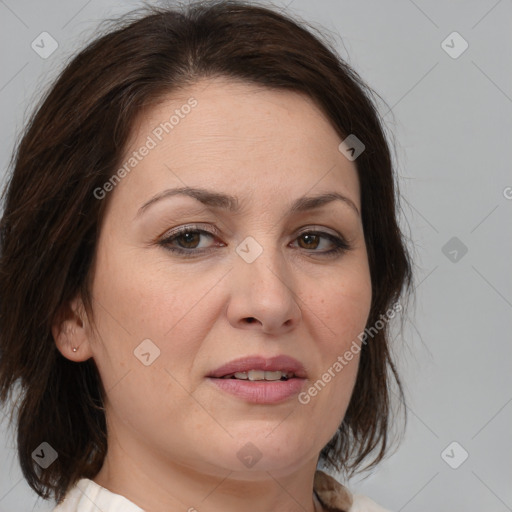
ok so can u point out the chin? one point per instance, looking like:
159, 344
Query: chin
262, 453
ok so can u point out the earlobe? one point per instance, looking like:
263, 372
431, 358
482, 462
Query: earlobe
70, 333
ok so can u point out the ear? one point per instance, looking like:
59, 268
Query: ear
71, 330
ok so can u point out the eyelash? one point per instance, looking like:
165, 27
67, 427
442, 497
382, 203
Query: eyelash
341, 245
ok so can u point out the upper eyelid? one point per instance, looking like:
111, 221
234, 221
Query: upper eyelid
193, 227
335, 237
341, 243
213, 231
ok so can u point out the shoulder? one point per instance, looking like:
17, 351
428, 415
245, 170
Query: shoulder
362, 503
72, 499
336, 497
87, 496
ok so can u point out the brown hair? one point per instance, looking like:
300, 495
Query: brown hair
73, 144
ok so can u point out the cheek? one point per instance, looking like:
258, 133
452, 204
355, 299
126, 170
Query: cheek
150, 334
148, 298
344, 302
138, 301
343, 307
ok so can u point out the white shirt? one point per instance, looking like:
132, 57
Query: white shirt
88, 496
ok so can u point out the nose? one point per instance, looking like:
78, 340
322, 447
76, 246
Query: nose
263, 295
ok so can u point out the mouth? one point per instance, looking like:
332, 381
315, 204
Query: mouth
260, 375
251, 387
260, 380
257, 367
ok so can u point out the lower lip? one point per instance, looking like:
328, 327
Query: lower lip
261, 392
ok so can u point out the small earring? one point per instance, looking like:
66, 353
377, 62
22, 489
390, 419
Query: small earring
74, 349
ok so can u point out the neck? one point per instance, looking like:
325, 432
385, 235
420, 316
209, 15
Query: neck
158, 485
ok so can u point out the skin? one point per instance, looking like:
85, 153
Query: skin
173, 437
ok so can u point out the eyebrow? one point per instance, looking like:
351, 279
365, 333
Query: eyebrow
230, 203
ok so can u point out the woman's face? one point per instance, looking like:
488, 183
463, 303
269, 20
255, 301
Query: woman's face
254, 283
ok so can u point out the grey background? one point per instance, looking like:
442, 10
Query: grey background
452, 120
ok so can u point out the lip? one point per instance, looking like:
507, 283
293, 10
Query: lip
261, 392
270, 364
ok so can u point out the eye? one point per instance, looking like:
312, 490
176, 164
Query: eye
186, 241
313, 239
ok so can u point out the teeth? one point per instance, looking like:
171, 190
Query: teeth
260, 375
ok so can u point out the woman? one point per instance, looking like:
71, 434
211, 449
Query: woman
199, 258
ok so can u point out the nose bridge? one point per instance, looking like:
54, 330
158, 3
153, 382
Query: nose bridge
264, 286
261, 257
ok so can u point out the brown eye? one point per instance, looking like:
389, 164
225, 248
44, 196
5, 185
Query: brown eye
310, 241
188, 240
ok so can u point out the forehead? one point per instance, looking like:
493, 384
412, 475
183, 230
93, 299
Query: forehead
238, 137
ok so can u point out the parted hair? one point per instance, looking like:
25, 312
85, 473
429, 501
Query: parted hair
72, 144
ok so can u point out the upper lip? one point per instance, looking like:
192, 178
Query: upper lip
269, 364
